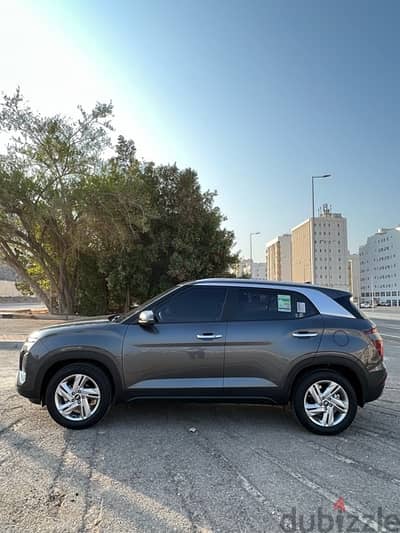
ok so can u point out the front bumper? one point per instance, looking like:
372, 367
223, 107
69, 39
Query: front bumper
25, 390
25, 379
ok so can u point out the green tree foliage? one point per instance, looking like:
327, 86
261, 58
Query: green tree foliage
90, 233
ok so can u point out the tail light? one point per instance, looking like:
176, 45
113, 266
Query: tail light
376, 340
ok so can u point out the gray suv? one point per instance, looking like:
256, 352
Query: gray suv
217, 339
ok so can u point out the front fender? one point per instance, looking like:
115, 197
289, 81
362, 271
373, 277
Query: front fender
102, 358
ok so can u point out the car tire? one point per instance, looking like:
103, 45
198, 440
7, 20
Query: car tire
317, 410
78, 395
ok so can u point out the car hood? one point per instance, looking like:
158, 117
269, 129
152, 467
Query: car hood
70, 327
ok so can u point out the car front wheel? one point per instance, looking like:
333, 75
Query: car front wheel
324, 402
78, 395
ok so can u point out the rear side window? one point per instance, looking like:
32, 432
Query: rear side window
267, 304
346, 302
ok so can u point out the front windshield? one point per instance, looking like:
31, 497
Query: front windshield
145, 304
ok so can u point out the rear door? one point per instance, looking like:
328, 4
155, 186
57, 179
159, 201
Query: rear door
268, 331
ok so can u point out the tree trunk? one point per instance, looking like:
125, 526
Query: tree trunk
127, 299
65, 291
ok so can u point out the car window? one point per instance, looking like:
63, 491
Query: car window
347, 303
268, 304
194, 304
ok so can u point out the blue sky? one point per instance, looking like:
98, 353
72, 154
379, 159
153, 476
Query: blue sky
255, 95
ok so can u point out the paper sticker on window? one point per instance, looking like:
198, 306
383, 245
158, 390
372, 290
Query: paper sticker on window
301, 307
284, 303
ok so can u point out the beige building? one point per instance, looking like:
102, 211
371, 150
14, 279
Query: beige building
326, 253
353, 266
301, 252
279, 258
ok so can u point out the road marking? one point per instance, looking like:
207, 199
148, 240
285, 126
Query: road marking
365, 518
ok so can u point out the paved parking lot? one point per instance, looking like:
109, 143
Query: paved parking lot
167, 466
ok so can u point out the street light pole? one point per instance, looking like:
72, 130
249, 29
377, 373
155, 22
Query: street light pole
251, 251
312, 236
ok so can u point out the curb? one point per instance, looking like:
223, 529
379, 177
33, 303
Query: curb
46, 316
25, 314
11, 345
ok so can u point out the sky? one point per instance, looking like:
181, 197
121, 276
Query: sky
256, 95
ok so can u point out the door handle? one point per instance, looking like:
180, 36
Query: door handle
208, 336
304, 334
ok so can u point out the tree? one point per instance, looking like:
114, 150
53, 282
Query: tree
90, 233
46, 165
183, 238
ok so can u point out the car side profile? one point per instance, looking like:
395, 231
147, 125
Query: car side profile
227, 340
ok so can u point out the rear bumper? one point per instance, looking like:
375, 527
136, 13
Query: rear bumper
376, 384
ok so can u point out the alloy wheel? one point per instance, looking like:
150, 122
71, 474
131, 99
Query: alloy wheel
77, 397
326, 403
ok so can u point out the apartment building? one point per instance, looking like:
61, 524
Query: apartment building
320, 247
278, 255
380, 267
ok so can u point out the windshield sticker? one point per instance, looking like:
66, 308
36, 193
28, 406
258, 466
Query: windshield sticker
284, 303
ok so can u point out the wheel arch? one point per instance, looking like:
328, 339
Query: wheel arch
101, 361
345, 366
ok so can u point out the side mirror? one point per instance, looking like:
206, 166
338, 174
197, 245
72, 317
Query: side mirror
146, 318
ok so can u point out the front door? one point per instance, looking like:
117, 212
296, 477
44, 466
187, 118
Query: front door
182, 354
269, 330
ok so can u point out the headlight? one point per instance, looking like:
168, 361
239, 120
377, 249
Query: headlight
26, 348
34, 336
30, 341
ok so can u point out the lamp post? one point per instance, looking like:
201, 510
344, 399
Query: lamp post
372, 290
251, 251
312, 223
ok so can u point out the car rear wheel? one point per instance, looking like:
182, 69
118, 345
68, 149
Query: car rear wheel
324, 402
78, 395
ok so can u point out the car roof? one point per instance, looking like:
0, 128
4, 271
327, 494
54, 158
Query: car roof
333, 293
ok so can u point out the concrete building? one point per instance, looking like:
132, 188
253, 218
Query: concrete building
301, 252
244, 269
353, 266
259, 271
279, 258
380, 267
321, 246
6, 272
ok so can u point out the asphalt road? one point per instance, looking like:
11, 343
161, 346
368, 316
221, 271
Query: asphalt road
242, 469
